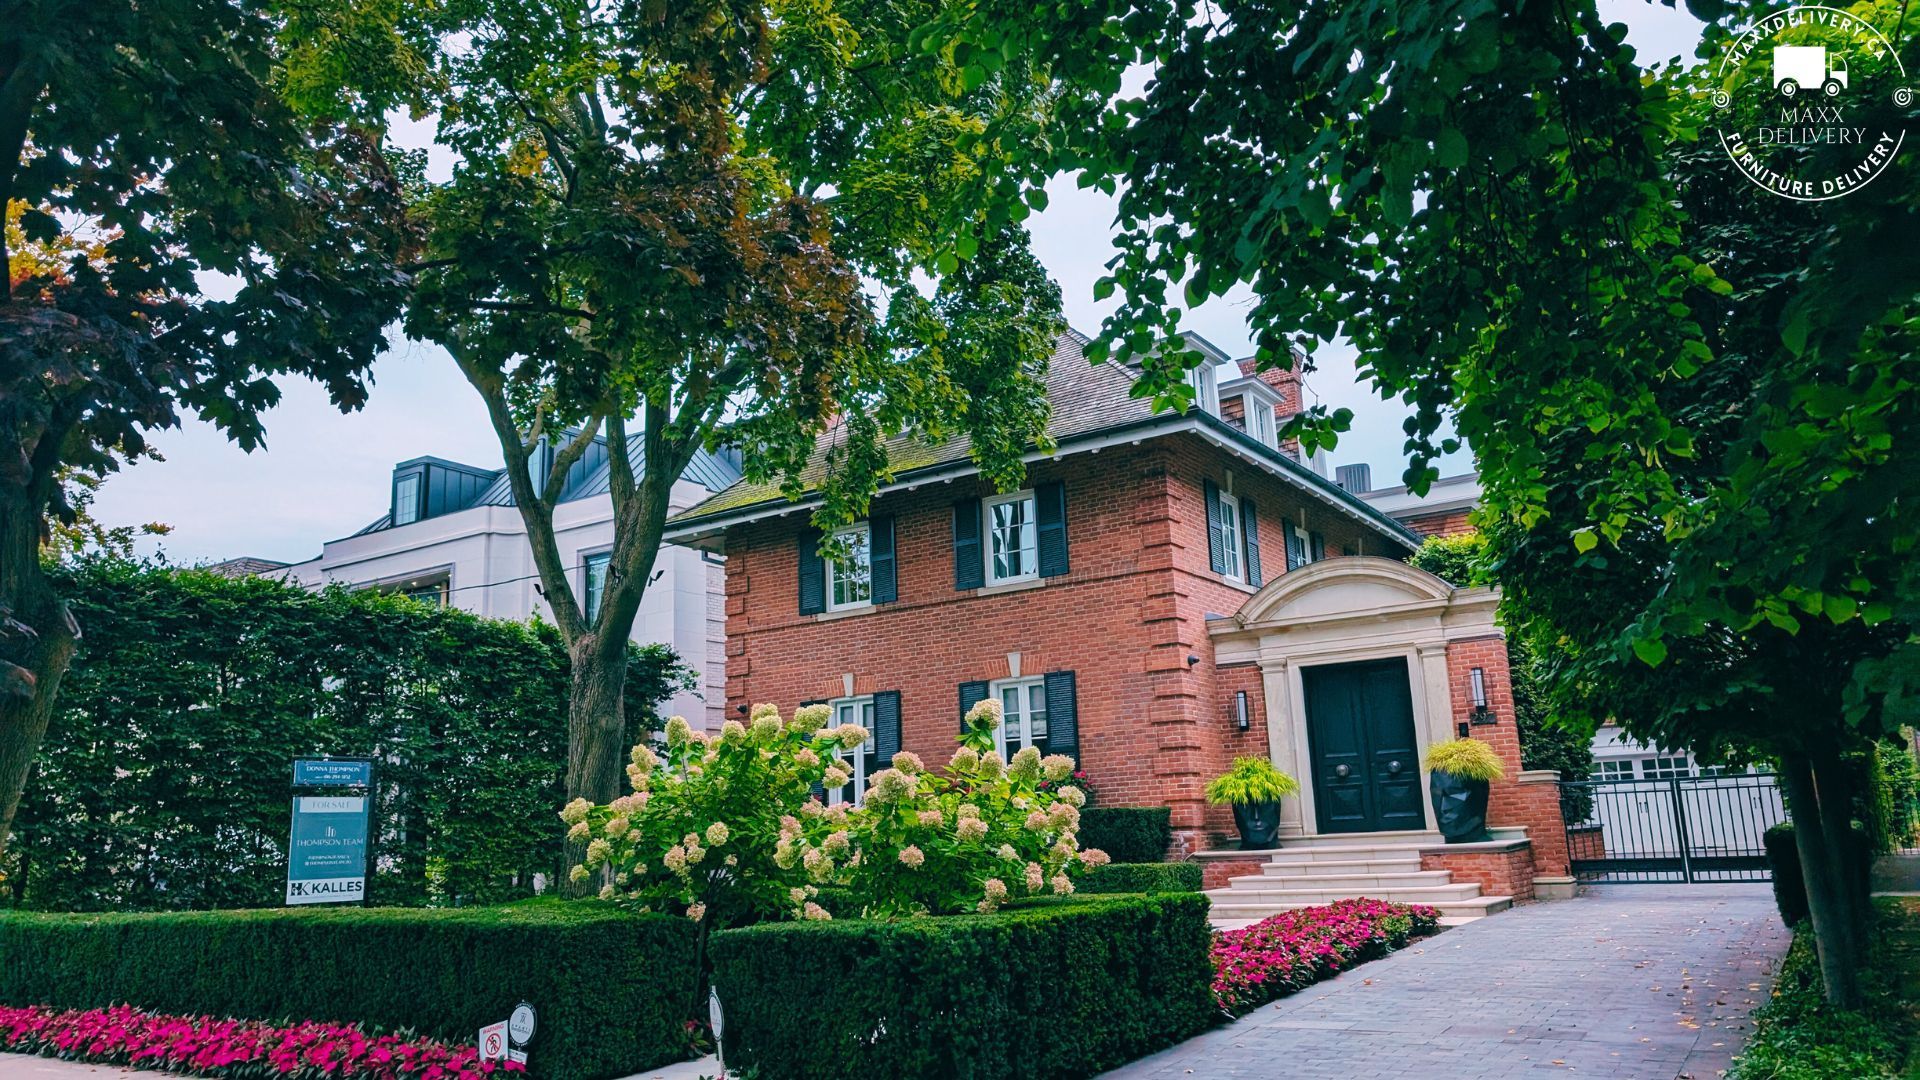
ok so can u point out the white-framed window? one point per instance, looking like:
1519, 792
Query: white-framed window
1023, 705
593, 586
854, 710
850, 579
1013, 540
1230, 537
1613, 770
1666, 768
1206, 387
406, 499
1259, 419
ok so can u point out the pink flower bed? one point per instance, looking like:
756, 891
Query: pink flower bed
204, 1046
1295, 949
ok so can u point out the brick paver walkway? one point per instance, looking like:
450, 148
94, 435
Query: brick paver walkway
1646, 982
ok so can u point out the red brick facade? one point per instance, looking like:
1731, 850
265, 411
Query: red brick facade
1513, 800
1445, 523
1154, 728
1498, 873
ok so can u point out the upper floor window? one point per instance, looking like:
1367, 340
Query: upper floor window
406, 499
1666, 768
1230, 538
850, 577
1613, 770
594, 587
861, 762
1013, 542
1259, 420
1206, 387
1023, 704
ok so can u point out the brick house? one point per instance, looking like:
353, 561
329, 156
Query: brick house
1107, 604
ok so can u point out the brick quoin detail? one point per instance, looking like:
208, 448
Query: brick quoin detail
1154, 729
1511, 802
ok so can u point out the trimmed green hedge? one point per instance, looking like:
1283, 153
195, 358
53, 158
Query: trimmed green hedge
1152, 877
1789, 888
1051, 990
1128, 834
613, 990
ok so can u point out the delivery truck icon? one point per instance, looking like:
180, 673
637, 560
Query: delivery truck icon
1799, 67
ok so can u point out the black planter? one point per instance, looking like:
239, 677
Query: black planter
1260, 825
1461, 807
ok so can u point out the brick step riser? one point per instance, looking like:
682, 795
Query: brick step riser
1365, 868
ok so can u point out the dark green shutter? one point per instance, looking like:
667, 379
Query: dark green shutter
971, 694
1050, 513
886, 587
969, 570
813, 573
1296, 546
1216, 539
816, 789
1063, 715
886, 726
1318, 547
1250, 528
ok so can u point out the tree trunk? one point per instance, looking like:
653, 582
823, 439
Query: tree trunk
1841, 785
36, 646
596, 735
1823, 867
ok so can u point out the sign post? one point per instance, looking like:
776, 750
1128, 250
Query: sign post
327, 852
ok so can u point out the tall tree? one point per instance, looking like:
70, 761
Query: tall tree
1693, 403
681, 225
195, 209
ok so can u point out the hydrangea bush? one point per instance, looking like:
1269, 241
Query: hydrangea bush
730, 829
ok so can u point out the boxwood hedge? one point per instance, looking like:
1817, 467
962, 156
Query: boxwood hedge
1131, 834
613, 990
1153, 877
1058, 989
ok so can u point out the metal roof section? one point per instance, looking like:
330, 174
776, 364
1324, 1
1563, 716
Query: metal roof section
1093, 406
714, 470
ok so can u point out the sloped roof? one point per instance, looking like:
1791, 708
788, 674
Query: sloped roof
1085, 398
1089, 401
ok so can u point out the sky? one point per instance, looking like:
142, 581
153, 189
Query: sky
323, 475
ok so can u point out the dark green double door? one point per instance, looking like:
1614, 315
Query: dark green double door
1366, 761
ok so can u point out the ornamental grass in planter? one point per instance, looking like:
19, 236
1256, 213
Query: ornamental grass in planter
1254, 788
1459, 774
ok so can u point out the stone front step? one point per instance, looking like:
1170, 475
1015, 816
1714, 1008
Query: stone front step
1362, 884
1341, 868
1227, 914
1427, 892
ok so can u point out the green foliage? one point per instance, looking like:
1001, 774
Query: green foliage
613, 990
1789, 886
1128, 834
1251, 780
1057, 990
1545, 742
1892, 814
166, 781
727, 828
1469, 759
1458, 560
1147, 877
1798, 1036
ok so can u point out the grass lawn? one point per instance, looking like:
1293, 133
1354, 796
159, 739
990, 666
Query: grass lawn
1798, 1037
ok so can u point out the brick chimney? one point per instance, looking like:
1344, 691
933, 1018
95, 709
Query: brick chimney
1285, 383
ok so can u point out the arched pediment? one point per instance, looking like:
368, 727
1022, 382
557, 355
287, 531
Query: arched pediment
1343, 587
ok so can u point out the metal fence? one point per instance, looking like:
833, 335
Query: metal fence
1683, 829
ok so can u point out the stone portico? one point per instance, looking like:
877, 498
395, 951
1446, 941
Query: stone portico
1376, 617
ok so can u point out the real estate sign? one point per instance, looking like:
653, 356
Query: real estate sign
332, 772
327, 859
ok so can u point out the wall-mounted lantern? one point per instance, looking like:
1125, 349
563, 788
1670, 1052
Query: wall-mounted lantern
1240, 717
1477, 681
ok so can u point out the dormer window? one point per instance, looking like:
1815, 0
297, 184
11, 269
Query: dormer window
1206, 387
1253, 409
407, 489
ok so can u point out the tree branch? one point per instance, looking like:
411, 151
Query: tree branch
522, 307
565, 459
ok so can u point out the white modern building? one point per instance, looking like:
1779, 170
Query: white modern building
451, 534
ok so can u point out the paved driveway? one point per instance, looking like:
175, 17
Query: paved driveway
1646, 982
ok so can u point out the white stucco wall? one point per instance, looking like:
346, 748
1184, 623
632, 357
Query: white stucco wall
489, 567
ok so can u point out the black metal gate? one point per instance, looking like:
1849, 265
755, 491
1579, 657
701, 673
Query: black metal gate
1682, 829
